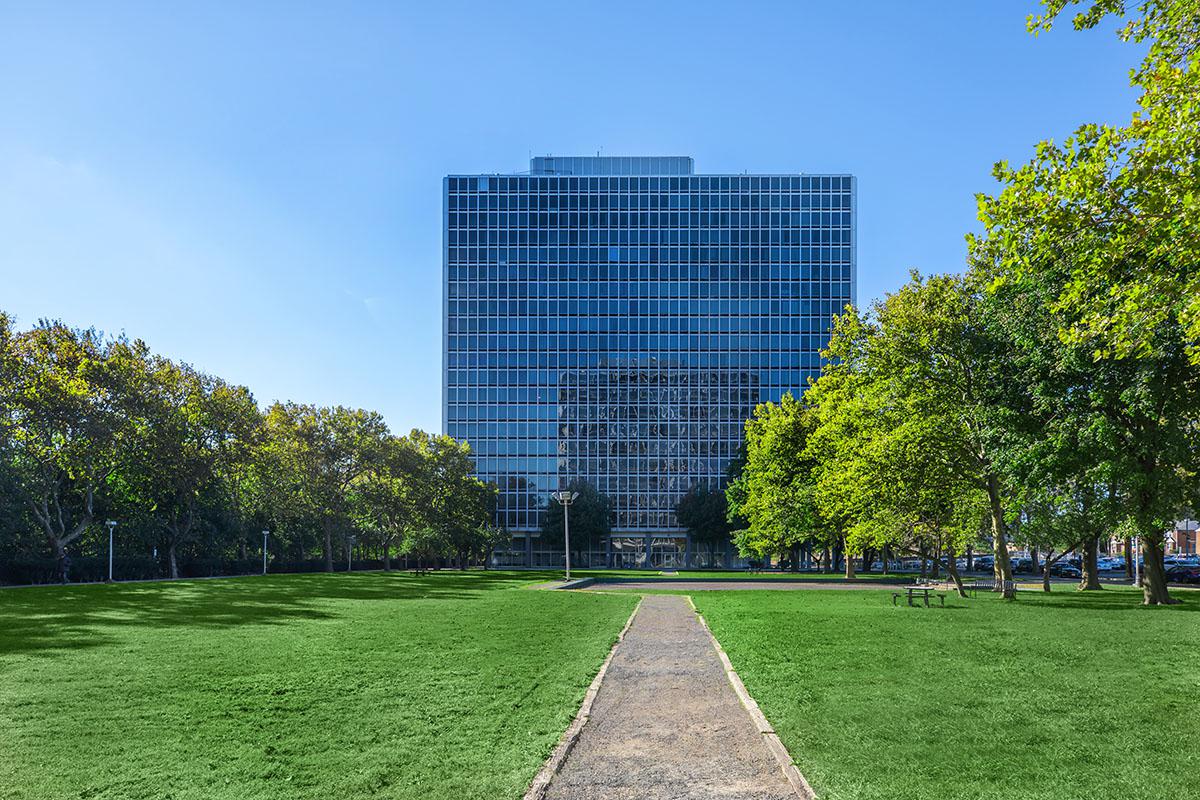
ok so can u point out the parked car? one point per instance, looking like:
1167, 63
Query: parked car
1183, 574
1022, 564
1111, 564
1065, 569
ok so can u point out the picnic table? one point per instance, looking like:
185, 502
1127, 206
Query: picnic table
924, 590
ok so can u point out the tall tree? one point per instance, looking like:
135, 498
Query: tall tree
1114, 216
776, 491
458, 504
388, 500
320, 453
196, 428
72, 422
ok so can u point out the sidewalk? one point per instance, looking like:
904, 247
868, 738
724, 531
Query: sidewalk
666, 724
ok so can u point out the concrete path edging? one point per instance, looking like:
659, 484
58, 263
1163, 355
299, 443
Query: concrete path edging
786, 763
541, 781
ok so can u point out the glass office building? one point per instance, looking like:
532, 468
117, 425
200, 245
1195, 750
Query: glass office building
616, 319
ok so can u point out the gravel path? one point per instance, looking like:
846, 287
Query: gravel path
666, 724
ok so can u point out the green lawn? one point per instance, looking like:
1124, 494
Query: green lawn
1066, 695
303, 686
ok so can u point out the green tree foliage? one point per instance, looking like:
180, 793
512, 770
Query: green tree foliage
458, 505
1103, 231
897, 460
72, 407
591, 518
389, 500
320, 453
704, 512
94, 427
194, 429
1123, 201
776, 490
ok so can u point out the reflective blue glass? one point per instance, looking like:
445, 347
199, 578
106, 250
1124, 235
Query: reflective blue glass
617, 319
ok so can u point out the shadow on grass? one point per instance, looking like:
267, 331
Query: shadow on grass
1111, 601
71, 617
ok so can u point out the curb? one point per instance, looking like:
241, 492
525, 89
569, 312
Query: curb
786, 763
541, 781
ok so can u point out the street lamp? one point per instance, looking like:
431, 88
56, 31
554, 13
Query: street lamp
112, 523
1135, 555
566, 498
265, 551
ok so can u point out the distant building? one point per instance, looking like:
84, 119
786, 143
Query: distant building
616, 319
1183, 539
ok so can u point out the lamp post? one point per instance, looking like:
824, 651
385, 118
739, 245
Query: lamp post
566, 498
112, 523
1135, 555
265, 551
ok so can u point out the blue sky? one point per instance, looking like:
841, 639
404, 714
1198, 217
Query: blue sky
255, 187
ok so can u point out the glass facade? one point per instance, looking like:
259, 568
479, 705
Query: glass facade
616, 319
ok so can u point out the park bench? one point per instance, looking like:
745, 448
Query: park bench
987, 585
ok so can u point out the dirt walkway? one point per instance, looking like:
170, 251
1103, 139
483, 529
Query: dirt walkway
666, 724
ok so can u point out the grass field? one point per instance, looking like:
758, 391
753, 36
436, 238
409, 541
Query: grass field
302, 686
1066, 695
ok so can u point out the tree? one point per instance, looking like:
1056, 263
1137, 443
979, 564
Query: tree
387, 500
887, 464
196, 428
591, 518
458, 504
1114, 216
71, 422
704, 512
425, 544
320, 453
776, 491
1121, 200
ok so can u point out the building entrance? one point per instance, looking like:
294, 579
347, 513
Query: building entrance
668, 552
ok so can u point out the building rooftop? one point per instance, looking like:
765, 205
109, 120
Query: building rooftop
611, 165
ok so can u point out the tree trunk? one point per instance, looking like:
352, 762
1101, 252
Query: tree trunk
387, 556
1090, 580
935, 565
1046, 573
826, 558
328, 544
952, 568
849, 562
1002, 568
884, 557
970, 559
1154, 574
1128, 559
866, 561
171, 560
